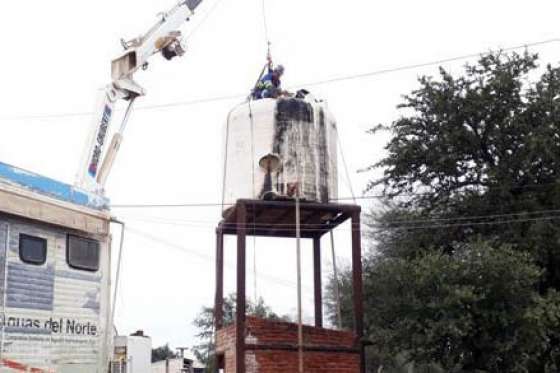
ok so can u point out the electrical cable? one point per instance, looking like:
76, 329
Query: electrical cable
205, 257
406, 220
386, 226
349, 77
393, 221
421, 65
352, 198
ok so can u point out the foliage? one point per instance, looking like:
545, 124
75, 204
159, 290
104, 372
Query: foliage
204, 322
465, 270
162, 353
475, 310
484, 143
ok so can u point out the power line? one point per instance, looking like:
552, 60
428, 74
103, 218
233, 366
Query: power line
391, 225
350, 198
547, 213
171, 205
350, 77
205, 257
424, 64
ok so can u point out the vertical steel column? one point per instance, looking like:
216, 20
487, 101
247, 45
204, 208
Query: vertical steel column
241, 298
219, 301
358, 285
317, 282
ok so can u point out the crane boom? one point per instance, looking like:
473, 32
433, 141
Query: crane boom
163, 37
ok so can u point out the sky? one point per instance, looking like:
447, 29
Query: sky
56, 55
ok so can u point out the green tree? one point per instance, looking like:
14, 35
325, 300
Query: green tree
162, 353
465, 267
204, 322
484, 143
474, 311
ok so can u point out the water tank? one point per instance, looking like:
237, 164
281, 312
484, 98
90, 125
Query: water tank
274, 145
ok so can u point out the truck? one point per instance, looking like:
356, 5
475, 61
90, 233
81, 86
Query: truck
56, 294
55, 276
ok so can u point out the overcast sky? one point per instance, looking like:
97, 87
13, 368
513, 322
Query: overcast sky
56, 54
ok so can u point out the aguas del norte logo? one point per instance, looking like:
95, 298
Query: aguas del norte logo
101, 134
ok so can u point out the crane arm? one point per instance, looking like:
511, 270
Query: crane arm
163, 37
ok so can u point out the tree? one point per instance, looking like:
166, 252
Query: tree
474, 311
465, 269
485, 143
162, 353
205, 324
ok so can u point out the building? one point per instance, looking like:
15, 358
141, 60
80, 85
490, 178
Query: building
178, 365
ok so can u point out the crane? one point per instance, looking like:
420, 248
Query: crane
165, 38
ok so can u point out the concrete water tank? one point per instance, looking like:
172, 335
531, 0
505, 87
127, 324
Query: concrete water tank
272, 145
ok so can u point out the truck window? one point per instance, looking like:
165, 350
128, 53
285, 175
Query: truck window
82, 253
32, 250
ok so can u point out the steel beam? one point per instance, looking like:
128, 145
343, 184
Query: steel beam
219, 301
358, 285
241, 298
317, 282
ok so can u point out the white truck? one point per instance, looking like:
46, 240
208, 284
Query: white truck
55, 270
55, 242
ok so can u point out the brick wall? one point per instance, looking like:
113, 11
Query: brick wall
272, 348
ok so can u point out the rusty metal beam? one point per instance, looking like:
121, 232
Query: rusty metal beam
241, 298
219, 301
357, 285
317, 282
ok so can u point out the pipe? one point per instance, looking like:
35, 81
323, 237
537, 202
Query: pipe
117, 276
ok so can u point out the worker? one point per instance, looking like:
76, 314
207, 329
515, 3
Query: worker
269, 85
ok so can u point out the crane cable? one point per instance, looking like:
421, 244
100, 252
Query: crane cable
266, 34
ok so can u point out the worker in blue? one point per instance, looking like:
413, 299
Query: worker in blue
269, 85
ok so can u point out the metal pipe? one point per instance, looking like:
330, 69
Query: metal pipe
114, 147
241, 296
117, 276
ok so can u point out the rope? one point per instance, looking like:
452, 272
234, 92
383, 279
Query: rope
254, 197
265, 24
223, 204
336, 283
298, 248
204, 100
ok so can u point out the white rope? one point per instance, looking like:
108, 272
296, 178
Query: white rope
298, 248
254, 196
265, 24
336, 284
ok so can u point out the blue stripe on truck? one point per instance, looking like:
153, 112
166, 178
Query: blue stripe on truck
52, 188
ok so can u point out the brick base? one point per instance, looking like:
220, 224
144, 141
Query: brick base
271, 347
